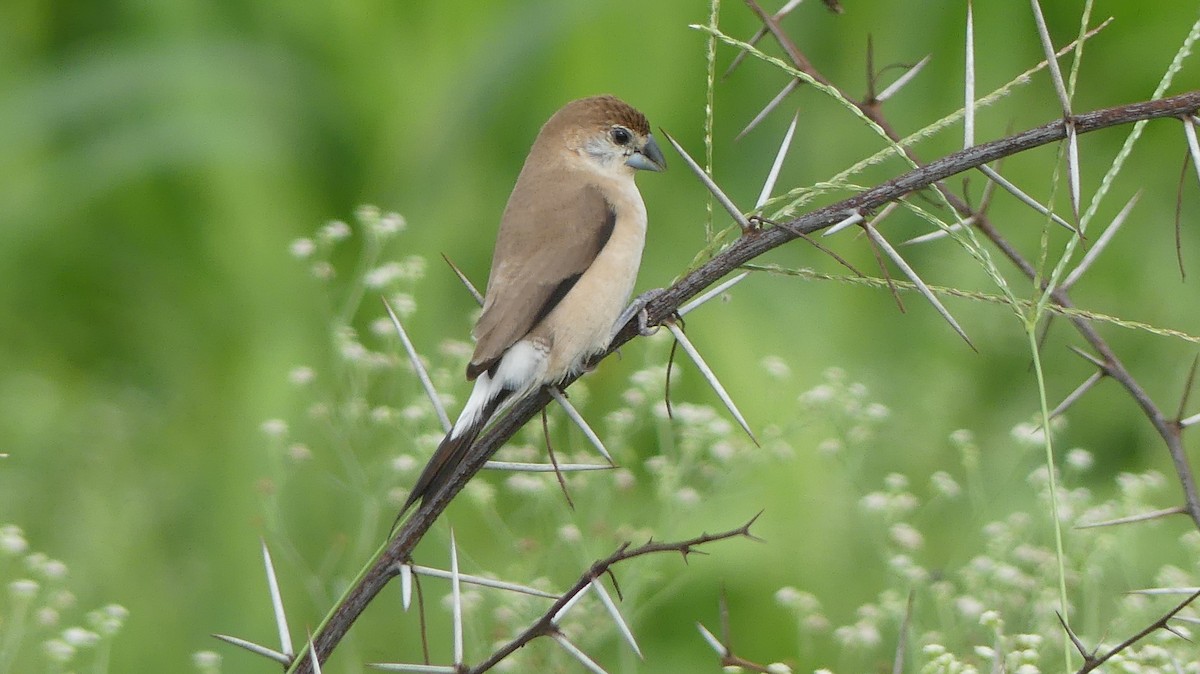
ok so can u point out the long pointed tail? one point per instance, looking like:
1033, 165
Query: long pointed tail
520, 371
485, 400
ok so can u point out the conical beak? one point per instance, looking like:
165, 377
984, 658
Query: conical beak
649, 158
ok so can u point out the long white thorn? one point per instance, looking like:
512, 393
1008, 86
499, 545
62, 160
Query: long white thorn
912, 276
406, 582
578, 654
1140, 517
622, 626
525, 467
271, 653
857, 218
711, 378
419, 368
416, 669
969, 80
711, 293
456, 593
570, 603
939, 233
989, 189
1077, 394
1051, 59
895, 87
707, 180
1099, 245
312, 656
1022, 196
760, 34
285, 637
1166, 590
1064, 101
577, 418
712, 641
1189, 129
774, 103
482, 581
465, 281
777, 166
1073, 166
848, 221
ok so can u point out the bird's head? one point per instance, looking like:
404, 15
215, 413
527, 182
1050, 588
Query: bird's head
609, 134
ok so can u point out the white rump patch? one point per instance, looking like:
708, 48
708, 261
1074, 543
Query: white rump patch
521, 370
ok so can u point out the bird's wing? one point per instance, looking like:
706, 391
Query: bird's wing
548, 238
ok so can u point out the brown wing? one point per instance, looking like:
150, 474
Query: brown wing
552, 231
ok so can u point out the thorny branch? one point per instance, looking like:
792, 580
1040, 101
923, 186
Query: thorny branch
757, 242
736, 254
545, 625
1169, 430
724, 645
1092, 661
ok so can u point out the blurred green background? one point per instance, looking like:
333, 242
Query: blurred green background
156, 159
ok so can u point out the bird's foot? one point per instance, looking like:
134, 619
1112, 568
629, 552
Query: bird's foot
638, 308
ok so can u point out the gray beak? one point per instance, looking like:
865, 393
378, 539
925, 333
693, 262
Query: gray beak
649, 158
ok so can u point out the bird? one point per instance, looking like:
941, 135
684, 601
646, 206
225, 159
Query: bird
563, 269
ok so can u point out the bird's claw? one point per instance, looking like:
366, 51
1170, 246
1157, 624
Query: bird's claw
644, 327
637, 308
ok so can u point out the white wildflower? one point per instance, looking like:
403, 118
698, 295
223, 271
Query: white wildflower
12, 540
52, 570
274, 428
1028, 433
906, 536
944, 484
79, 637
391, 223
1080, 459
301, 375
776, 367
58, 651
302, 248
299, 452
322, 270
335, 230
206, 660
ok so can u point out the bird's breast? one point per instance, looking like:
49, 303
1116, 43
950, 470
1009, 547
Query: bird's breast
582, 323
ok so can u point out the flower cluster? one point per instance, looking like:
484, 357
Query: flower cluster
998, 608
38, 609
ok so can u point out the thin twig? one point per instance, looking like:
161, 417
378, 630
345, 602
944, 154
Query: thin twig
1091, 662
545, 624
736, 254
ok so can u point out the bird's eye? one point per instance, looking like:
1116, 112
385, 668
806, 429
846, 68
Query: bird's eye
621, 135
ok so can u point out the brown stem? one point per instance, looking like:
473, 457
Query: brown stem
696, 281
1091, 661
544, 625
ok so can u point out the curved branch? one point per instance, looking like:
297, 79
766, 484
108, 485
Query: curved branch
736, 254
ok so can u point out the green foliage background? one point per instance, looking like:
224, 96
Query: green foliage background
156, 159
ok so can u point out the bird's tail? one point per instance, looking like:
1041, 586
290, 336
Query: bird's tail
487, 396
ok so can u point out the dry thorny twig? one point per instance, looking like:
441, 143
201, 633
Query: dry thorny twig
755, 242
547, 624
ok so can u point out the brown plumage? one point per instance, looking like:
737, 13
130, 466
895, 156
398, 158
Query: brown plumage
566, 256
